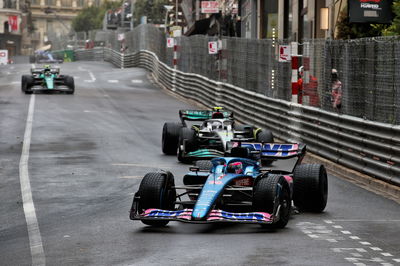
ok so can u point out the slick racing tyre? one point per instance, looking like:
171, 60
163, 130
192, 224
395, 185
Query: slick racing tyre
187, 136
204, 165
26, 84
170, 137
270, 192
70, 83
265, 136
246, 128
156, 191
310, 187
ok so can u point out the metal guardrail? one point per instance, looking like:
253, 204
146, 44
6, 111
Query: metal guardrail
369, 147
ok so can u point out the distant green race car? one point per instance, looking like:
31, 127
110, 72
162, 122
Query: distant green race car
47, 79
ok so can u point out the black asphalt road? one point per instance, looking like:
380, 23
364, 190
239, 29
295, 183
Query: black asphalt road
88, 153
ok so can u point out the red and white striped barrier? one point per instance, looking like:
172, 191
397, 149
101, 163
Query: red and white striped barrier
295, 84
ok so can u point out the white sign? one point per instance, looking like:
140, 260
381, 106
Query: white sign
212, 47
170, 42
284, 53
209, 7
121, 36
3, 57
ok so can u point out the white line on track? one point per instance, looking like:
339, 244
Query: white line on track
35, 239
113, 81
137, 81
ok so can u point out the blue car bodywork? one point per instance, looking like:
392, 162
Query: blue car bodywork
228, 194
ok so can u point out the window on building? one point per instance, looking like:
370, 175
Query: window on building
66, 3
80, 3
50, 2
6, 27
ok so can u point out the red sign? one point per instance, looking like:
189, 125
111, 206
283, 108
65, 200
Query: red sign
212, 47
13, 22
209, 7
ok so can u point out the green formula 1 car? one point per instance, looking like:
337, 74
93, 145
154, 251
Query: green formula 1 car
47, 79
211, 134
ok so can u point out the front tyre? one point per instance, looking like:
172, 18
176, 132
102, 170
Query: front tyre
310, 187
270, 194
156, 191
170, 137
70, 83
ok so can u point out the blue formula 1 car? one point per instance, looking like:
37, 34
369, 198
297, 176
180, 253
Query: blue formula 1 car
47, 79
208, 136
237, 189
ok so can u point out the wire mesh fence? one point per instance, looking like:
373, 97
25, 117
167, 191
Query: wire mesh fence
368, 69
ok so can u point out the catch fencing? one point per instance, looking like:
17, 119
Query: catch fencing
369, 69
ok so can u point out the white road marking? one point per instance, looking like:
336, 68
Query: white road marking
365, 243
355, 237
386, 264
338, 226
15, 82
396, 260
387, 254
328, 222
137, 81
346, 232
112, 81
35, 239
376, 248
93, 78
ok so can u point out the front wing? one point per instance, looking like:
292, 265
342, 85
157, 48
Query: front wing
215, 216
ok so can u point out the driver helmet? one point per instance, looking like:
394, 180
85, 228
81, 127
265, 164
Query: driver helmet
235, 168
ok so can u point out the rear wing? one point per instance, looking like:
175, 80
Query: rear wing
40, 70
201, 115
276, 150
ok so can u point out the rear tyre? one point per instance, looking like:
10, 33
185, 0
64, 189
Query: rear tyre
310, 183
270, 192
265, 136
204, 165
70, 83
246, 128
170, 137
156, 191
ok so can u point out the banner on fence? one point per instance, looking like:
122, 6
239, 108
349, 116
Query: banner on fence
209, 7
370, 11
212, 47
284, 53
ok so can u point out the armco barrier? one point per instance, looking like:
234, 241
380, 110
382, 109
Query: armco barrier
365, 146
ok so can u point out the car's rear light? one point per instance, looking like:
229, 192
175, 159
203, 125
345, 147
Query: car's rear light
245, 182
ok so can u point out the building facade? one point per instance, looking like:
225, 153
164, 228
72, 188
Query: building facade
11, 20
